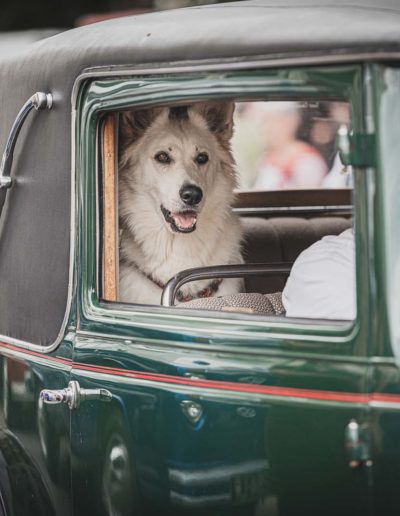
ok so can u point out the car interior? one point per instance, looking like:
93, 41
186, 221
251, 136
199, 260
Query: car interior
281, 215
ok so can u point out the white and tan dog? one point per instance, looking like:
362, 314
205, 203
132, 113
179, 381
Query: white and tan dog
176, 183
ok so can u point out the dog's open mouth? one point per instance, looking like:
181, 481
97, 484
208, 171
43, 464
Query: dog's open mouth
180, 221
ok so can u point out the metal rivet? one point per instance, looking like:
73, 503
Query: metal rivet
192, 410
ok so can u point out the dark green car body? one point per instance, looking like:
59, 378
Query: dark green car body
210, 414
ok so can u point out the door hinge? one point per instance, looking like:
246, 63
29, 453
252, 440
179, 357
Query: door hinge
356, 149
358, 444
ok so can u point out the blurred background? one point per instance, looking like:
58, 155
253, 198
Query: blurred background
22, 22
21, 15
286, 145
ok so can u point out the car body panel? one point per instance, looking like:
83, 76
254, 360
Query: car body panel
234, 451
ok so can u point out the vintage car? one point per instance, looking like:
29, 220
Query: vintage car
119, 409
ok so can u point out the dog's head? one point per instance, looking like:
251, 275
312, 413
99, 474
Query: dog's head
178, 160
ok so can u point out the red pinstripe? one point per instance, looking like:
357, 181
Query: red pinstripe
286, 392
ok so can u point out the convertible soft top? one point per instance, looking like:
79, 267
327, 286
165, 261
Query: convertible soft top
35, 221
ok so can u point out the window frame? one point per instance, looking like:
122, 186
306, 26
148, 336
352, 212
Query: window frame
98, 96
384, 91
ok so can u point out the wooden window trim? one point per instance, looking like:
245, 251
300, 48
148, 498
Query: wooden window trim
110, 209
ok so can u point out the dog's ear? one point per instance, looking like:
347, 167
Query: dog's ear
219, 118
134, 123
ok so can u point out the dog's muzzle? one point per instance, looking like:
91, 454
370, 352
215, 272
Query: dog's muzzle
181, 221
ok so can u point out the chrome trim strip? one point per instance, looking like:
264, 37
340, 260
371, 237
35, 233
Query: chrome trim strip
336, 56
23, 352
25, 345
2, 503
200, 477
385, 405
191, 501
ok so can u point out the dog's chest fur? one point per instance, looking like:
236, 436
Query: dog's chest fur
163, 255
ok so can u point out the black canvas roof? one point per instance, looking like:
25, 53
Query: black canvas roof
248, 29
35, 223
258, 27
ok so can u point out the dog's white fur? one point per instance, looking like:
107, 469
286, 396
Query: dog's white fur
149, 247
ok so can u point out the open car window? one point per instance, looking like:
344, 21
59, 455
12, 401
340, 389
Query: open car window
251, 197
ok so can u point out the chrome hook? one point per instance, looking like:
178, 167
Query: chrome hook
38, 101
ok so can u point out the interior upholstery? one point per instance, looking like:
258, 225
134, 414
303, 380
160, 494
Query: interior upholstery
282, 239
269, 304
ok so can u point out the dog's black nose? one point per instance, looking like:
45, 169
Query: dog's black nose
191, 194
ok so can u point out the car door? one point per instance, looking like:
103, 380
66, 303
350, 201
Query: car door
34, 436
186, 412
199, 423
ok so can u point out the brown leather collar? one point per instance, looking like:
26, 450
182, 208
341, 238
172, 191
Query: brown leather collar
207, 291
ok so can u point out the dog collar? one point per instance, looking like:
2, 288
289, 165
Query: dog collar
208, 291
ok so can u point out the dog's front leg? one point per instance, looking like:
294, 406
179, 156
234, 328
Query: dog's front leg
230, 286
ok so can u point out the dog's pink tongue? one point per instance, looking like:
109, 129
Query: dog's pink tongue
185, 220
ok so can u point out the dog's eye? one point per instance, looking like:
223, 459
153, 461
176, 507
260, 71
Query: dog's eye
162, 157
202, 158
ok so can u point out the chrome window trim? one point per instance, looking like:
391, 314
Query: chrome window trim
126, 315
335, 56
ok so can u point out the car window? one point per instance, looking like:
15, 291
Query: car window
216, 185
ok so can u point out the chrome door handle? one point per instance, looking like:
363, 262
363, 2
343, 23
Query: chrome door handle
357, 444
73, 395
38, 101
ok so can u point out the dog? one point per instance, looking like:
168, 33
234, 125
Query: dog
176, 181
